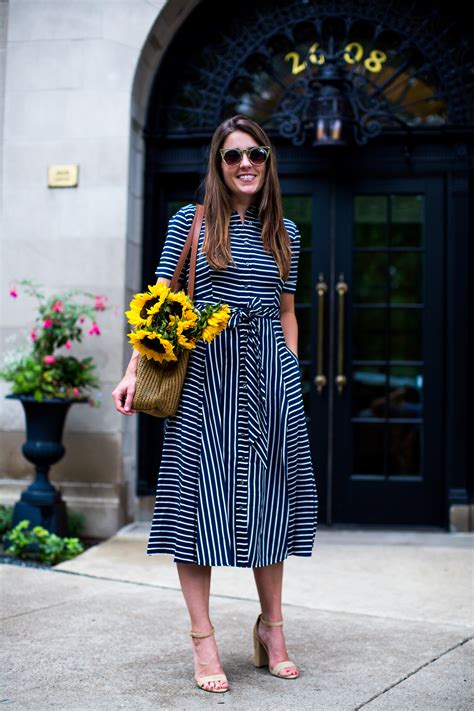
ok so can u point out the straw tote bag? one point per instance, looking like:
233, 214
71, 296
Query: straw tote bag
158, 387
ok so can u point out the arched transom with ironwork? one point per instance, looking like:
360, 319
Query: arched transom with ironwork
379, 66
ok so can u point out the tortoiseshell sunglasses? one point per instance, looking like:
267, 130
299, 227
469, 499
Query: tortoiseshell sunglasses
256, 155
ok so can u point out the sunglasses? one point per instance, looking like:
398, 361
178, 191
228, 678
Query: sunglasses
257, 155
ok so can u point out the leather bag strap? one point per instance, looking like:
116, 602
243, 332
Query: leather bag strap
192, 240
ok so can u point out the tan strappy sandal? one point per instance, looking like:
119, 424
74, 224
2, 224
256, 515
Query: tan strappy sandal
262, 655
218, 678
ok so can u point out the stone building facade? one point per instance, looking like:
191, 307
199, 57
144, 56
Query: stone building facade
129, 90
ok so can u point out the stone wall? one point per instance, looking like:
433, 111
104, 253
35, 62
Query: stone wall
75, 85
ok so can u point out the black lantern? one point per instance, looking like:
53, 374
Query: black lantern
330, 122
330, 106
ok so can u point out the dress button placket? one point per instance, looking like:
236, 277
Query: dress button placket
241, 490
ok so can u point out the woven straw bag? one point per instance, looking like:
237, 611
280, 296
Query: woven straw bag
158, 386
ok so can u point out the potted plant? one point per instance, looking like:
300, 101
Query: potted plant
47, 379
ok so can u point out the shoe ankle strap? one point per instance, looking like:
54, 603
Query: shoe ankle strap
202, 634
271, 624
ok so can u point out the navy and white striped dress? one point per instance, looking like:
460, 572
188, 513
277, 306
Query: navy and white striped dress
236, 484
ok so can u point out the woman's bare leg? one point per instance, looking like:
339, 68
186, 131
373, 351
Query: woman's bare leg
269, 581
196, 584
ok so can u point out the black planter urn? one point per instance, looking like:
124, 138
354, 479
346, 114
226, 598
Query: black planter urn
41, 503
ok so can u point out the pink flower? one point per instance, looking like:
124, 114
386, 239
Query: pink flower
33, 335
82, 319
47, 323
76, 392
100, 303
94, 330
58, 306
13, 293
68, 345
49, 360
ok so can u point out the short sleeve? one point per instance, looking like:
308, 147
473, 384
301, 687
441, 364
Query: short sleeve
290, 284
178, 230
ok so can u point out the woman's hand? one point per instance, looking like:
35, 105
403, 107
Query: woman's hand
124, 392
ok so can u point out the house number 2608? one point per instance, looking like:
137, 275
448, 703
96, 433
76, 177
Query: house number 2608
353, 53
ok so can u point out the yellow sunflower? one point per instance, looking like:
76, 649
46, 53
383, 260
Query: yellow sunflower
216, 323
222, 315
141, 304
178, 303
154, 310
189, 320
152, 345
182, 331
181, 298
210, 331
183, 336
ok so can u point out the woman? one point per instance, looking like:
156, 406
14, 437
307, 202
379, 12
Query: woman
236, 484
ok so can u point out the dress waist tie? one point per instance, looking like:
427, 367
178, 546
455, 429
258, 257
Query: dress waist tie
251, 314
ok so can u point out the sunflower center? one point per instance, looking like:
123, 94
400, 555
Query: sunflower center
153, 344
176, 309
145, 307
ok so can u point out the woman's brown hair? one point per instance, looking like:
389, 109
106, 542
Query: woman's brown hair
217, 202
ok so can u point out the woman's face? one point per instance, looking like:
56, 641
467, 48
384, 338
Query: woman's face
243, 179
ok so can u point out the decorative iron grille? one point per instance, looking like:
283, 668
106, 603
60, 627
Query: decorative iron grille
403, 67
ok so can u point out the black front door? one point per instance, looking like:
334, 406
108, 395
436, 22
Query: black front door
369, 307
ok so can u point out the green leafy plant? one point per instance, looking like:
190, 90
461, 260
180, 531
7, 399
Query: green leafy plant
76, 520
39, 370
6, 514
37, 543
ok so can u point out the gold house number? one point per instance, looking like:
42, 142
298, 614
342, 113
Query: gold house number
353, 53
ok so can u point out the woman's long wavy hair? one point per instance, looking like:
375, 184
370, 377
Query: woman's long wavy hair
217, 202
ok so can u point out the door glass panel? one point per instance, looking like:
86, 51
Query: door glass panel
369, 333
406, 224
406, 277
387, 372
405, 334
406, 391
368, 391
368, 447
370, 277
299, 208
303, 286
404, 453
370, 220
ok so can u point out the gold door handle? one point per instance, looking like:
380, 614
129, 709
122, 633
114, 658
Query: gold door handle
320, 379
342, 289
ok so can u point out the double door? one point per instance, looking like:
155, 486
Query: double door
369, 304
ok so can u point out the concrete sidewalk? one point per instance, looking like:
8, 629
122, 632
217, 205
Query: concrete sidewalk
375, 620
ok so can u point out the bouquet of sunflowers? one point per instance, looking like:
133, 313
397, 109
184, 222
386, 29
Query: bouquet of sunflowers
166, 323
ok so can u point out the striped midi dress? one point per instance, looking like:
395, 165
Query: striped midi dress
236, 484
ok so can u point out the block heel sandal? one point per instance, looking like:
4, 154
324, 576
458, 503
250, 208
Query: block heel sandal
262, 655
216, 678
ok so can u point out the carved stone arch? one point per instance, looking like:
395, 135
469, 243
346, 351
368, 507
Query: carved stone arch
162, 33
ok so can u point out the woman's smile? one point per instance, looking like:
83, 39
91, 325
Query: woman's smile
246, 177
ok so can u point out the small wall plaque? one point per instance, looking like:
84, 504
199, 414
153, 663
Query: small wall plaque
63, 176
